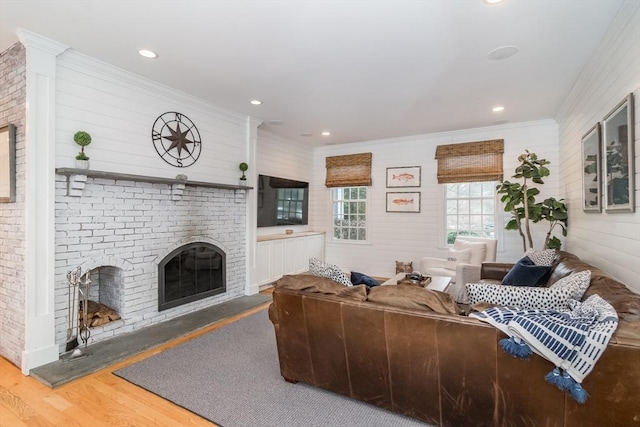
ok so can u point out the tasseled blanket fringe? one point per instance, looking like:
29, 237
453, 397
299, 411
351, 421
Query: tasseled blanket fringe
564, 382
572, 340
516, 347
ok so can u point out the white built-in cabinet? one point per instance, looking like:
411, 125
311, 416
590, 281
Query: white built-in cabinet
281, 254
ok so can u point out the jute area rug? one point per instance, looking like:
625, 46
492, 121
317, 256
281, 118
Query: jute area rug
231, 377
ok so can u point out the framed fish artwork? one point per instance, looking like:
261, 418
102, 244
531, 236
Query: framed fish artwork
408, 176
403, 201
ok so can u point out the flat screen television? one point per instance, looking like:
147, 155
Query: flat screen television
282, 201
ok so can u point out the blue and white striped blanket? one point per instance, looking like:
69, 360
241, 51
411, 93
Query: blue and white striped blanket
572, 340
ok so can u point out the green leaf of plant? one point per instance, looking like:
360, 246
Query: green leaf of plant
512, 225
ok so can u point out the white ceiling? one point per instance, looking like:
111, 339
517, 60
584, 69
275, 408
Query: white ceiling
364, 70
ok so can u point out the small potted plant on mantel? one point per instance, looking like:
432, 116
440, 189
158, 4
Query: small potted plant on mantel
243, 167
83, 139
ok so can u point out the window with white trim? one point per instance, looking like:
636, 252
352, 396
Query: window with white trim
470, 209
349, 210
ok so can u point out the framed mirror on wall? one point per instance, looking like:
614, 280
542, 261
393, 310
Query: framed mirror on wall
591, 181
618, 158
7, 164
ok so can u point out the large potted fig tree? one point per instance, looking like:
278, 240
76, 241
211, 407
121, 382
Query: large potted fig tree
519, 199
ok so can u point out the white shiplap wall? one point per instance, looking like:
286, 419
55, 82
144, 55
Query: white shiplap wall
118, 109
411, 236
284, 158
609, 241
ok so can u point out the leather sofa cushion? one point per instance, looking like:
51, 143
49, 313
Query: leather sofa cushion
406, 296
566, 264
628, 333
322, 285
625, 301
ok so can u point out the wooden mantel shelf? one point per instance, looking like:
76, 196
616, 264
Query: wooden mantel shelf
77, 179
143, 178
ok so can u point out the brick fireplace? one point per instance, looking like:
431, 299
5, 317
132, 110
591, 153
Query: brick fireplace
122, 227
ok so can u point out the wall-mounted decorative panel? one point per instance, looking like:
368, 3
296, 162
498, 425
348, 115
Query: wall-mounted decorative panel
618, 156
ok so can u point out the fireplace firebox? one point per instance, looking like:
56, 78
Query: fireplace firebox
190, 273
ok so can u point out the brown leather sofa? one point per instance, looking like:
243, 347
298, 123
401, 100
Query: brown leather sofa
448, 369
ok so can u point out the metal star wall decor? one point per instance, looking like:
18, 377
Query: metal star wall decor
176, 139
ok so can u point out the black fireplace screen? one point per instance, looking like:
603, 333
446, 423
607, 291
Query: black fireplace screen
191, 272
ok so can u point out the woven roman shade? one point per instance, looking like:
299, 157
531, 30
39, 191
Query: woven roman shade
470, 161
349, 171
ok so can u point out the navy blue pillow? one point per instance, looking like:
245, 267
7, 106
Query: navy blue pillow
526, 273
363, 279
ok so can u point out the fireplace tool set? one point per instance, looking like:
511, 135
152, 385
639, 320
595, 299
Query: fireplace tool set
78, 287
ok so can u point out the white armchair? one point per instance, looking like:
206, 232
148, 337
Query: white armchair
463, 263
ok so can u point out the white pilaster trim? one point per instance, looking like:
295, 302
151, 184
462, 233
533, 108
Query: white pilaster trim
251, 287
40, 347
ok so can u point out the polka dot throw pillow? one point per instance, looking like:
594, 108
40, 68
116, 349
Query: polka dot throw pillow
330, 271
546, 257
555, 297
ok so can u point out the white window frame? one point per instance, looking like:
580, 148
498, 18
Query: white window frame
497, 216
367, 216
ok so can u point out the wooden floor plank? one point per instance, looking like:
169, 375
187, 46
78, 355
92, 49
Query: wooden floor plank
16, 409
179, 415
91, 395
40, 404
16, 405
133, 403
8, 419
57, 402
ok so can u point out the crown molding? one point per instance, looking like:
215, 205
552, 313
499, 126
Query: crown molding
33, 40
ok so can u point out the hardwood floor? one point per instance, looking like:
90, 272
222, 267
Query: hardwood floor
99, 399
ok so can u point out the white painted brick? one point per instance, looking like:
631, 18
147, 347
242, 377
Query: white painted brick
139, 224
12, 230
92, 226
113, 225
67, 227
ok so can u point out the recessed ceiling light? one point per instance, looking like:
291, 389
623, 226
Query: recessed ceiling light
256, 102
492, 1
275, 122
326, 133
502, 52
497, 109
148, 53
